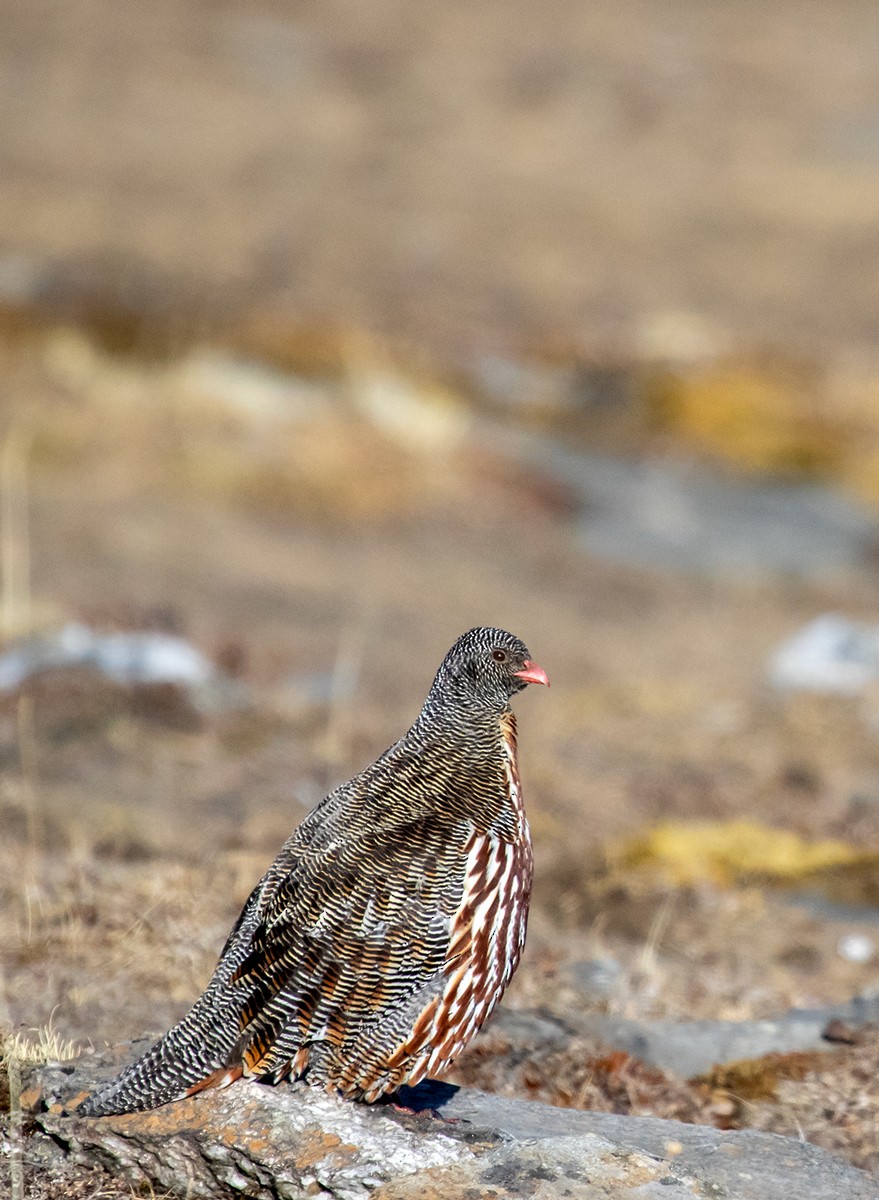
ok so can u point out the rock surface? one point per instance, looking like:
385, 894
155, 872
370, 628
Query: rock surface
687, 1048
662, 515
692, 1047
287, 1142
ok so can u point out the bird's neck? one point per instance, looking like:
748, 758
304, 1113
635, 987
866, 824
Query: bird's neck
475, 743
473, 764
465, 720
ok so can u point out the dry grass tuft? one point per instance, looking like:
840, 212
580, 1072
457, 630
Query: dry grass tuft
16, 1053
40, 1045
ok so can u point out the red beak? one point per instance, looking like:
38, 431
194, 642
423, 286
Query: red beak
531, 673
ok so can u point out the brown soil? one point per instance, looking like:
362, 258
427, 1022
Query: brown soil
492, 174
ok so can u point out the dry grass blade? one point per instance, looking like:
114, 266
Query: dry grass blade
16, 1159
41, 1045
16, 1052
15, 609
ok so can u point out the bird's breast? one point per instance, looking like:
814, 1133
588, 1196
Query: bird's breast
487, 932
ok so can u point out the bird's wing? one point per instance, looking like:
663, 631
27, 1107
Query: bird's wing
352, 920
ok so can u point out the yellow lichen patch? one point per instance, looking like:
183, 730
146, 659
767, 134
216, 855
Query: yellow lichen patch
31, 1097
169, 1119
757, 418
860, 471
728, 852
313, 1146
758, 1078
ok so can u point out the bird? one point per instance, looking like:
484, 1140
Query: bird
388, 927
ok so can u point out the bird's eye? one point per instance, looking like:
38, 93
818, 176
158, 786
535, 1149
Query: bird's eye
499, 655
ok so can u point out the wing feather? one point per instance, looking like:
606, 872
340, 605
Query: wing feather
344, 928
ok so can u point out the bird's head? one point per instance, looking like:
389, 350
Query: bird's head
485, 667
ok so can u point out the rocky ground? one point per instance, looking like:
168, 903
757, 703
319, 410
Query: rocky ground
325, 338
322, 562
289, 1142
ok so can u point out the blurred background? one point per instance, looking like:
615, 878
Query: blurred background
330, 330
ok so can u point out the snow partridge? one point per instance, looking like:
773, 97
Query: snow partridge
388, 927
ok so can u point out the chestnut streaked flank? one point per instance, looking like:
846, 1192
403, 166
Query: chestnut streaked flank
388, 927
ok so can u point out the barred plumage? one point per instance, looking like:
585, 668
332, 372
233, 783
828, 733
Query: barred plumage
388, 927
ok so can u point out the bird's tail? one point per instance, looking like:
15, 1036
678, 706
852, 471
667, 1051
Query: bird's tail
202, 1050
197, 1053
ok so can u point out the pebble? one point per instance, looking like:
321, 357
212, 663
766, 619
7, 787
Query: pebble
830, 654
856, 948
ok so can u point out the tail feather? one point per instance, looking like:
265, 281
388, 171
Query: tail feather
198, 1052
217, 1079
187, 1058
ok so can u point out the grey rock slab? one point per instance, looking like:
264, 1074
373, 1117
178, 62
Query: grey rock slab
581, 1167
740, 1164
687, 1048
286, 1142
692, 1047
683, 517
270, 1143
526, 1028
